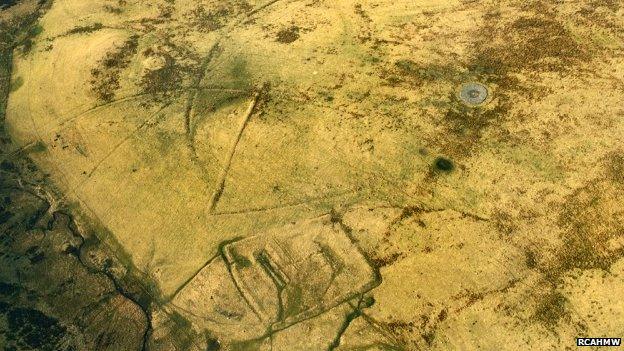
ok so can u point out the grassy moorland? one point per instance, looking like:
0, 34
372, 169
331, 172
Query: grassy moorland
188, 139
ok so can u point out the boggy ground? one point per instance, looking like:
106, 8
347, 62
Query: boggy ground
174, 129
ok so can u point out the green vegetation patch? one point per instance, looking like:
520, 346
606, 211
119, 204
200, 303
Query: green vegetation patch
16, 84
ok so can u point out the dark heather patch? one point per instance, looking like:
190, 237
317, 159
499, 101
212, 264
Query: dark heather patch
8, 289
551, 309
288, 35
208, 20
534, 42
589, 222
105, 77
614, 167
429, 337
530, 259
86, 29
5, 215
380, 261
163, 80
33, 329
213, 345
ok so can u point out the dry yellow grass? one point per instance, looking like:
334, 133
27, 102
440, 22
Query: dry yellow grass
178, 127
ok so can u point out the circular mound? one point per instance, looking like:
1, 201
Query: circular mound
473, 93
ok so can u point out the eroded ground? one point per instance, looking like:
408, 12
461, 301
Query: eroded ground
304, 175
